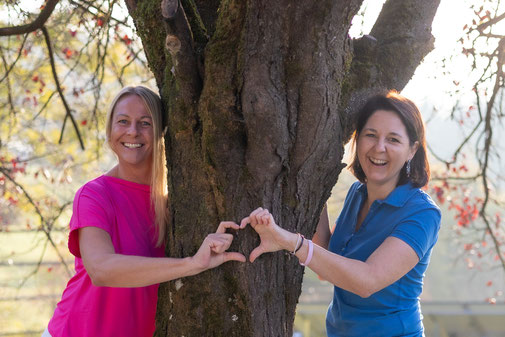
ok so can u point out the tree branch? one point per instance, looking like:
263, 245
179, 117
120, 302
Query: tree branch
488, 132
44, 224
60, 91
491, 22
8, 70
98, 10
403, 33
179, 44
388, 57
38, 23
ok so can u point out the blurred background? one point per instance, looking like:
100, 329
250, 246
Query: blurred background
51, 142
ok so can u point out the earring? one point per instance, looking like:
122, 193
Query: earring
407, 169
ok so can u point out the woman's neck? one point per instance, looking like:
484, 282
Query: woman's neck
142, 176
379, 192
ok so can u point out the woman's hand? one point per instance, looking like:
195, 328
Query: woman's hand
273, 237
212, 252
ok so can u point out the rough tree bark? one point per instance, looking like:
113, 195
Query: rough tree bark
259, 98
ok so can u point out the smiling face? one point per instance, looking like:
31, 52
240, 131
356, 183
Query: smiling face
131, 134
383, 147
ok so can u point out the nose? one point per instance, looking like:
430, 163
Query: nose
380, 145
133, 129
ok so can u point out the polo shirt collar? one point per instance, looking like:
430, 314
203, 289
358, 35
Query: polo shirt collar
397, 198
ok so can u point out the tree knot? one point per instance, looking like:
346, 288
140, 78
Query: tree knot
169, 8
172, 44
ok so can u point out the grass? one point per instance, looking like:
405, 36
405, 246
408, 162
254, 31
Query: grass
29, 293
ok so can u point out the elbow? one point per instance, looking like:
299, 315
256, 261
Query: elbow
97, 281
366, 290
365, 293
97, 276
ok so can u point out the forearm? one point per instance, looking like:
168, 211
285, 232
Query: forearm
117, 270
387, 264
352, 275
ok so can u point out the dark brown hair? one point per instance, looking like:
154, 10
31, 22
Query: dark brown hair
410, 116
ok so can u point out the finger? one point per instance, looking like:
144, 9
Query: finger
225, 237
223, 225
233, 256
256, 218
249, 219
255, 253
254, 215
265, 218
219, 246
244, 222
213, 241
223, 241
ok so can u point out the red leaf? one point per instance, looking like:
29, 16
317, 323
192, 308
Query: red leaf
84, 122
127, 40
35, 78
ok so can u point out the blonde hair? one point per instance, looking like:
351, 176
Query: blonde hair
158, 184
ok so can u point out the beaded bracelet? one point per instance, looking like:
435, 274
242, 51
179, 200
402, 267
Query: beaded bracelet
309, 256
301, 244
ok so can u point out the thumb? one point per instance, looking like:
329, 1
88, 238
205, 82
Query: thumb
256, 253
233, 256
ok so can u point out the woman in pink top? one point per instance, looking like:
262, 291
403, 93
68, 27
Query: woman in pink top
117, 230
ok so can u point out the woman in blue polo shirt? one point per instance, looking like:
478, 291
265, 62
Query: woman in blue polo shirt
384, 236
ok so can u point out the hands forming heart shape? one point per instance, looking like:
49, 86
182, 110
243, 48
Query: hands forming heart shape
212, 252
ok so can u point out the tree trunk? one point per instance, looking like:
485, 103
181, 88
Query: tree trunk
259, 98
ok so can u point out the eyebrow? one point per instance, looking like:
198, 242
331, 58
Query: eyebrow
125, 115
390, 134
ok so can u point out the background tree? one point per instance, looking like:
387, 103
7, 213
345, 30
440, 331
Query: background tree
56, 74
472, 180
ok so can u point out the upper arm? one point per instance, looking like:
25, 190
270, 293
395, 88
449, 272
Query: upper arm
405, 247
95, 243
420, 231
91, 209
390, 261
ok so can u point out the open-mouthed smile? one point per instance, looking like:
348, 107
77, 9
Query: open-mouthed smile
133, 145
377, 161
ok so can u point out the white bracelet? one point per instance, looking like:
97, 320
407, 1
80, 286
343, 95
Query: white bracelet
309, 256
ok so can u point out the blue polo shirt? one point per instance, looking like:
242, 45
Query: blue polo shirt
407, 213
